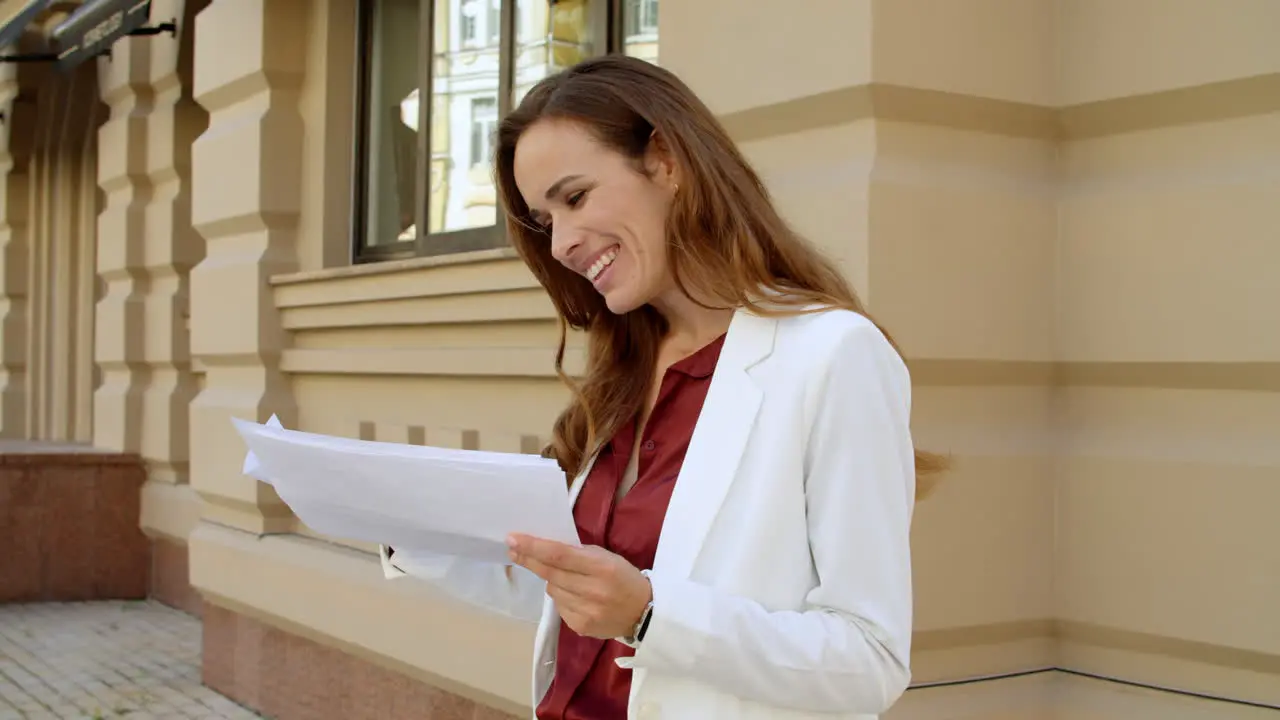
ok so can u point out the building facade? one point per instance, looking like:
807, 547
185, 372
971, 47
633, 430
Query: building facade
1063, 209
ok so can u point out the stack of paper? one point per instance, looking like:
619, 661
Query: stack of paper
416, 499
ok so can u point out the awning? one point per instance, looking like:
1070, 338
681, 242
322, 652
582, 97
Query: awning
16, 24
95, 26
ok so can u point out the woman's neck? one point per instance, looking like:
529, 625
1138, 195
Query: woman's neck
690, 325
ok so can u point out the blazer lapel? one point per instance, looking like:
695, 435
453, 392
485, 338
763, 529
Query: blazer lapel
717, 445
576, 488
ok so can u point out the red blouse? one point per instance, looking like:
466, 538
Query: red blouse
588, 684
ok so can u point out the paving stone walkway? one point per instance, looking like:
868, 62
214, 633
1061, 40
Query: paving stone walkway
104, 660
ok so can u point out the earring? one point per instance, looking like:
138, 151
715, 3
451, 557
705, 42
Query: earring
676, 188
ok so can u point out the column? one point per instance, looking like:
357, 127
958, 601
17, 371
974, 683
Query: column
246, 171
149, 247
15, 148
914, 142
120, 339
171, 248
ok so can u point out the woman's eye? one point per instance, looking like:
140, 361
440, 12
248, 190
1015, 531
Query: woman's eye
575, 198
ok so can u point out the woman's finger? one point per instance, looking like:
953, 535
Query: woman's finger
567, 600
553, 554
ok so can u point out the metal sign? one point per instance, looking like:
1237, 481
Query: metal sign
96, 25
16, 24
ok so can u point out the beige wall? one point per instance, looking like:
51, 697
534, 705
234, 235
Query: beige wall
1167, 277
1059, 207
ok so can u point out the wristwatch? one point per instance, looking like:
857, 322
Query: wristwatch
637, 633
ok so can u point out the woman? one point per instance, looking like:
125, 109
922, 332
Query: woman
743, 471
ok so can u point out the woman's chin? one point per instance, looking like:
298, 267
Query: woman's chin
619, 308
620, 302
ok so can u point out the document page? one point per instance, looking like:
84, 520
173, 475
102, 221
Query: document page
416, 499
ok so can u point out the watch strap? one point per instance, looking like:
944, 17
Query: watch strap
642, 625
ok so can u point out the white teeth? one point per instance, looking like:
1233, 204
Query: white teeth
603, 262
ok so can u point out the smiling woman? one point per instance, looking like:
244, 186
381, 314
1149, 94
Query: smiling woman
739, 450
610, 227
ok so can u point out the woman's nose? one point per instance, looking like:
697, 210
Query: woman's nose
564, 243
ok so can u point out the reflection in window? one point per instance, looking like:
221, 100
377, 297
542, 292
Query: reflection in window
479, 23
640, 29
641, 18
484, 122
551, 37
390, 129
466, 78
451, 189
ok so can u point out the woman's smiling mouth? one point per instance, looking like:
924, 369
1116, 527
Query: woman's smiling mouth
601, 264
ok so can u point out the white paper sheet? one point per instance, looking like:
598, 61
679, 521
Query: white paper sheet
416, 499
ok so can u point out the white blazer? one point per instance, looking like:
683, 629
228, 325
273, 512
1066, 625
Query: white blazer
782, 581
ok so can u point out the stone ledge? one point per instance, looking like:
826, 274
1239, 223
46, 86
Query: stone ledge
289, 677
23, 452
337, 597
69, 526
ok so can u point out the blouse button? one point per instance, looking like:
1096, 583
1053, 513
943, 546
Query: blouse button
648, 445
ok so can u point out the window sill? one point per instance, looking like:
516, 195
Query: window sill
394, 267
479, 286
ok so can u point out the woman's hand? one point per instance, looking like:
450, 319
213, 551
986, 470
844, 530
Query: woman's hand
599, 594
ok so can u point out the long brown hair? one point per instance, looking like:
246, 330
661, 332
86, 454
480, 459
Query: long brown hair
725, 239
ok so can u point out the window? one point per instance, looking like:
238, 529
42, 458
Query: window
484, 122
641, 20
435, 78
480, 23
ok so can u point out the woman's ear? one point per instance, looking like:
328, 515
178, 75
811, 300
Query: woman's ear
660, 161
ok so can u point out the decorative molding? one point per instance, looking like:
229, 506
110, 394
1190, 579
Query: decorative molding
881, 101
528, 362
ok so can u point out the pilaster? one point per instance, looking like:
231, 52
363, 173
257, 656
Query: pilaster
15, 139
247, 172
913, 142
171, 248
148, 247
119, 345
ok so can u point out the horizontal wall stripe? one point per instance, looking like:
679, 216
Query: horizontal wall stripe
1211, 102
987, 634
891, 102
537, 362
978, 373
1164, 645
1203, 103
1242, 376
1109, 638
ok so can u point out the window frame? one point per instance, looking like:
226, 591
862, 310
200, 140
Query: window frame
607, 22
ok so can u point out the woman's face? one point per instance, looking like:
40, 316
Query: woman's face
607, 220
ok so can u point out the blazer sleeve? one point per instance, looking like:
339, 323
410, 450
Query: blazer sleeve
848, 649
504, 589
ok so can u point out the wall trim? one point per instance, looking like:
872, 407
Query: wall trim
404, 624
883, 101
